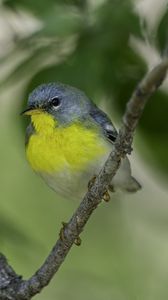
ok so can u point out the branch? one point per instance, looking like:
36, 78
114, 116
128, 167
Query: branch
11, 285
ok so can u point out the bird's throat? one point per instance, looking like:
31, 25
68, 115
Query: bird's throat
43, 123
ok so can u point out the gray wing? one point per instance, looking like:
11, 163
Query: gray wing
105, 123
123, 178
29, 131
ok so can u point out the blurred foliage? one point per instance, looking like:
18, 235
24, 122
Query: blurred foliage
101, 61
42, 8
86, 46
162, 33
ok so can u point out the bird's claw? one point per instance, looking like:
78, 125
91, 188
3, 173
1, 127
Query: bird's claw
106, 196
77, 241
91, 182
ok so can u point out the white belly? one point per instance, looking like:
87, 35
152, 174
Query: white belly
74, 184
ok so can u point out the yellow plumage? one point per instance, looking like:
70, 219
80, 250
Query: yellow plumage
52, 148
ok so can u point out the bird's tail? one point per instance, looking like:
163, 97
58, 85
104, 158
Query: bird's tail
132, 185
124, 180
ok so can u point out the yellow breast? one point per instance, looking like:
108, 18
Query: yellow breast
53, 148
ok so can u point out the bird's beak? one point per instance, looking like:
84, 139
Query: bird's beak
31, 111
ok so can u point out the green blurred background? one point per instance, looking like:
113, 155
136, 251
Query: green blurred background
104, 48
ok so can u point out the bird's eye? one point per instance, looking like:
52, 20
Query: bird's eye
55, 102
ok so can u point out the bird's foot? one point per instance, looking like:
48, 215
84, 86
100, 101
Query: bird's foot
106, 196
91, 182
77, 241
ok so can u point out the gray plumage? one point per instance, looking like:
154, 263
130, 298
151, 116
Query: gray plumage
74, 105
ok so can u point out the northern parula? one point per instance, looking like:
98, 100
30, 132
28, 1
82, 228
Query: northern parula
68, 140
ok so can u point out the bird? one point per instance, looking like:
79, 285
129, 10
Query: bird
69, 139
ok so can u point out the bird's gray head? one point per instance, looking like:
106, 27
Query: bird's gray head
63, 102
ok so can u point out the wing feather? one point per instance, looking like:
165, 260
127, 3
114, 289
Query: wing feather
105, 123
